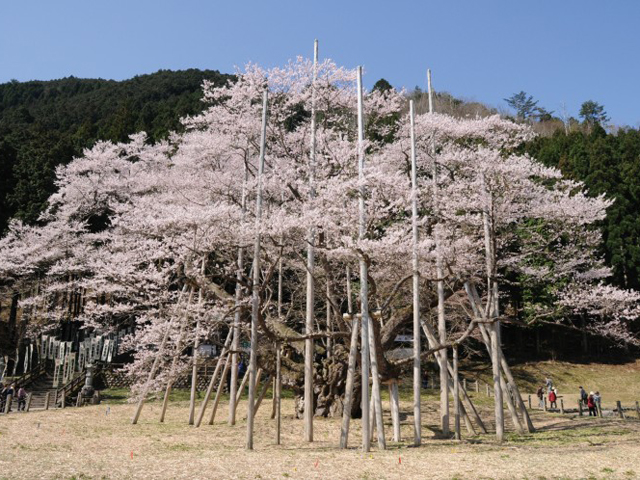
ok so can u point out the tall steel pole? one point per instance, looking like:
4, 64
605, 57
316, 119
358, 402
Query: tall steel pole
417, 377
309, 324
364, 284
442, 326
255, 300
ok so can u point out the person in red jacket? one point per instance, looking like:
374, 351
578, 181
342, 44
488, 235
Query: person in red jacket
591, 405
553, 398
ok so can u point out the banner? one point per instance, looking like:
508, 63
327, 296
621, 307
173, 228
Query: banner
56, 374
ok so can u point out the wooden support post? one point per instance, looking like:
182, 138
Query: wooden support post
243, 382
55, 398
464, 383
372, 423
463, 412
544, 407
364, 269
467, 421
196, 346
529, 402
224, 357
477, 386
273, 395
620, 412
417, 362
7, 405
488, 391
351, 369
599, 409
79, 400
580, 407
561, 406
28, 406
156, 363
174, 363
258, 375
63, 400
375, 384
431, 337
310, 291
46, 401
637, 410
509, 398
216, 400
263, 392
395, 409
456, 394
278, 392
255, 293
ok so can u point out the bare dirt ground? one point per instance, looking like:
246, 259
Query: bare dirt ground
100, 442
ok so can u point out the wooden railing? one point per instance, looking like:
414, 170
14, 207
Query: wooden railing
31, 375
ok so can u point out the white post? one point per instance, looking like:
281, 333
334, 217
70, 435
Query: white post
278, 392
233, 390
442, 326
351, 370
196, 345
395, 410
328, 319
349, 301
308, 343
364, 284
417, 377
255, 300
375, 391
456, 393
278, 379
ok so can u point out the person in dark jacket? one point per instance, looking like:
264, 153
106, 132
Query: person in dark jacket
583, 396
540, 394
10, 390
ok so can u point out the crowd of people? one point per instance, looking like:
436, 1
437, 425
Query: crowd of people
592, 401
9, 392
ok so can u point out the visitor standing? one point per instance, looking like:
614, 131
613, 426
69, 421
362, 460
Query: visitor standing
591, 405
553, 397
598, 401
540, 394
549, 384
22, 398
8, 392
583, 396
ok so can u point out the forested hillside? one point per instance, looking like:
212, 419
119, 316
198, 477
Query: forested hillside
608, 163
46, 123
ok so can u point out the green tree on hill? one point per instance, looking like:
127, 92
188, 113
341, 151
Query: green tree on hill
47, 123
593, 113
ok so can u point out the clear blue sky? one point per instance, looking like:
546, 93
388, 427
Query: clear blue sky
558, 51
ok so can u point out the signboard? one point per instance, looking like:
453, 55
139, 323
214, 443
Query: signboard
207, 350
404, 338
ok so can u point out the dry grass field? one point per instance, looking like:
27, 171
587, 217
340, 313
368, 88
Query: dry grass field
100, 442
